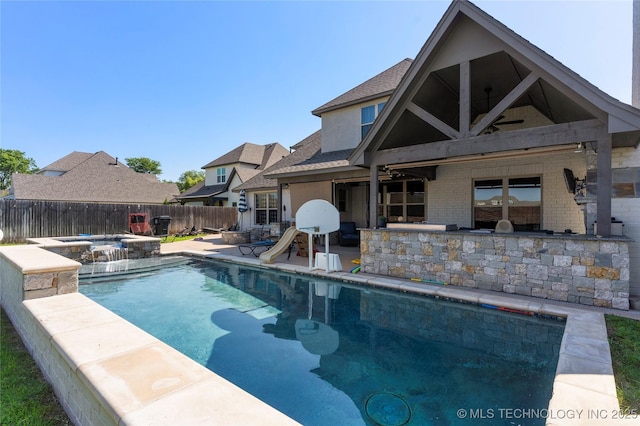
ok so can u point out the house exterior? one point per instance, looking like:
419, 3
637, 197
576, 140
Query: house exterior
483, 127
326, 173
270, 202
91, 177
230, 170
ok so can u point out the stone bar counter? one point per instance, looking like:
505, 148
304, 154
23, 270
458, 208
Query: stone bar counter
583, 269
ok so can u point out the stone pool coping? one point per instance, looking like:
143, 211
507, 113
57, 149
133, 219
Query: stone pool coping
107, 371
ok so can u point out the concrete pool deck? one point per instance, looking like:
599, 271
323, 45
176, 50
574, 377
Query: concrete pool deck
107, 371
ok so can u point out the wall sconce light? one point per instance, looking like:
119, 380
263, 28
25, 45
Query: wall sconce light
579, 147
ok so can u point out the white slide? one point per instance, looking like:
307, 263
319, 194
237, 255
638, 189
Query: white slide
283, 243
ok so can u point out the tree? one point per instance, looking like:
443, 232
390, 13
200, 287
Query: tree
14, 161
144, 165
190, 178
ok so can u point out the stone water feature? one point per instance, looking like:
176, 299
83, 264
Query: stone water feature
108, 253
101, 248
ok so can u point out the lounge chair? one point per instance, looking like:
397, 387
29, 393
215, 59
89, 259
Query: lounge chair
186, 231
256, 248
210, 230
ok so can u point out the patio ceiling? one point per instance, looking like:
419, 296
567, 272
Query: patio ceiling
476, 88
491, 79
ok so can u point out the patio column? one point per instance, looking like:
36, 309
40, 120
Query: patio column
604, 185
373, 195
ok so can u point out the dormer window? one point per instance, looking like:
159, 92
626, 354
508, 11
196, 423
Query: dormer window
221, 175
369, 114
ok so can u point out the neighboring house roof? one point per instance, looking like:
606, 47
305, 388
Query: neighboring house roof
261, 156
67, 162
96, 178
304, 150
200, 190
258, 156
381, 85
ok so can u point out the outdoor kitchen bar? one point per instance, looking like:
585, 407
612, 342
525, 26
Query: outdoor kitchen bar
584, 269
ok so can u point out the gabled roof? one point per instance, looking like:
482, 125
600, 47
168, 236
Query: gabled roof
67, 162
201, 191
425, 106
304, 150
245, 174
261, 156
96, 179
382, 84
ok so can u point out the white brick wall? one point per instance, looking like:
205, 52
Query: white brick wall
450, 195
628, 211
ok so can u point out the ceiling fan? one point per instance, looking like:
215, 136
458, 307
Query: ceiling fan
493, 127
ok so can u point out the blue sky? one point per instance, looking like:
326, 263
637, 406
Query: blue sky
185, 82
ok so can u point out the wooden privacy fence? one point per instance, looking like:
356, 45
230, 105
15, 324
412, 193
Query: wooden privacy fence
22, 219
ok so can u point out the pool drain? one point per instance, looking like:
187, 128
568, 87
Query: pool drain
387, 409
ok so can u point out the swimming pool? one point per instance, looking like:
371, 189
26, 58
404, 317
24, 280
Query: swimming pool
325, 352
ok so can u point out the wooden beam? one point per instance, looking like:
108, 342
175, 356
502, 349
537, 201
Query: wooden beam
505, 103
546, 136
465, 99
433, 120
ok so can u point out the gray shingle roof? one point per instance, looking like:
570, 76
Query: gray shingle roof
67, 162
249, 153
318, 161
381, 84
304, 150
96, 179
200, 190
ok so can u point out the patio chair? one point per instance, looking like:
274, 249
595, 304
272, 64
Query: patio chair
256, 248
348, 234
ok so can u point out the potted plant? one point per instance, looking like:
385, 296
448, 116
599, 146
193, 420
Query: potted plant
382, 221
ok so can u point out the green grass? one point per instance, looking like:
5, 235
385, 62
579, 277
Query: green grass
624, 342
25, 397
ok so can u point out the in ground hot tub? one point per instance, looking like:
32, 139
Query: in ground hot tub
101, 248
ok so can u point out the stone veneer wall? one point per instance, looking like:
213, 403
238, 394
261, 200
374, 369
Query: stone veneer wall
580, 269
135, 250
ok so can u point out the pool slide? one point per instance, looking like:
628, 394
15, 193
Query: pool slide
283, 243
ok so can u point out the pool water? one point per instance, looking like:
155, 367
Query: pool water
328, 353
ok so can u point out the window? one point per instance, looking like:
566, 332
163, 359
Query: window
404, 201
368, 116
266, 208
221, 175
516, 199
